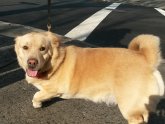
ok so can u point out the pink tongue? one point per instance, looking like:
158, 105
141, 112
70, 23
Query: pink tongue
31, 73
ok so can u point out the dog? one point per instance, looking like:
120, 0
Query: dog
127, 77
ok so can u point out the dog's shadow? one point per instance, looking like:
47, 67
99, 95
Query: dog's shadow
51, 101
158, 117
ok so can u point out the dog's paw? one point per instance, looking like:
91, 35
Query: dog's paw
37, 104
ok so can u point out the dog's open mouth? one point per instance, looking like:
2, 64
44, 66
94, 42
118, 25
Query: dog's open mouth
32, 73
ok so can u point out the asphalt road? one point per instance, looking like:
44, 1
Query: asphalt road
116, 30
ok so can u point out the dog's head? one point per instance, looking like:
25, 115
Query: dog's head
35, 52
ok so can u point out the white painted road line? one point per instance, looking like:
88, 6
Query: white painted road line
13, 30
84, 29
10, 71
161, 11
113, 6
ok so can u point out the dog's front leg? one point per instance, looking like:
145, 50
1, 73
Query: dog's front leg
40, 97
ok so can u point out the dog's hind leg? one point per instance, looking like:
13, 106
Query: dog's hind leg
138, 117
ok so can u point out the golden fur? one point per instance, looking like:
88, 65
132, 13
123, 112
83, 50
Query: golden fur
127, 77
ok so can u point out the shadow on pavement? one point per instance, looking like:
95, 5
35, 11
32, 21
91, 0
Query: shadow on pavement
159, 116
114, 36
52, 101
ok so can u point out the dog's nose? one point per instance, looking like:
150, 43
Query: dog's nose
32, 63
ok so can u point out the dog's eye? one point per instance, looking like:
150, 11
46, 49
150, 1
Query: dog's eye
42, 48
25, 47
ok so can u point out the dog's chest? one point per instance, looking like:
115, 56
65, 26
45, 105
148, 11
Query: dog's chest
38, 86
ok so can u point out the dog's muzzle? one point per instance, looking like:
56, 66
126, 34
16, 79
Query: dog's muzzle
32, 67
32, 63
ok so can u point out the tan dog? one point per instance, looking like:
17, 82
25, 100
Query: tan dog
128, 77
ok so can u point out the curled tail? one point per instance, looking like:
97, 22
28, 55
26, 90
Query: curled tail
147, 45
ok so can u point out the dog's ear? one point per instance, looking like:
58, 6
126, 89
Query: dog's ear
17, 39
55, 41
